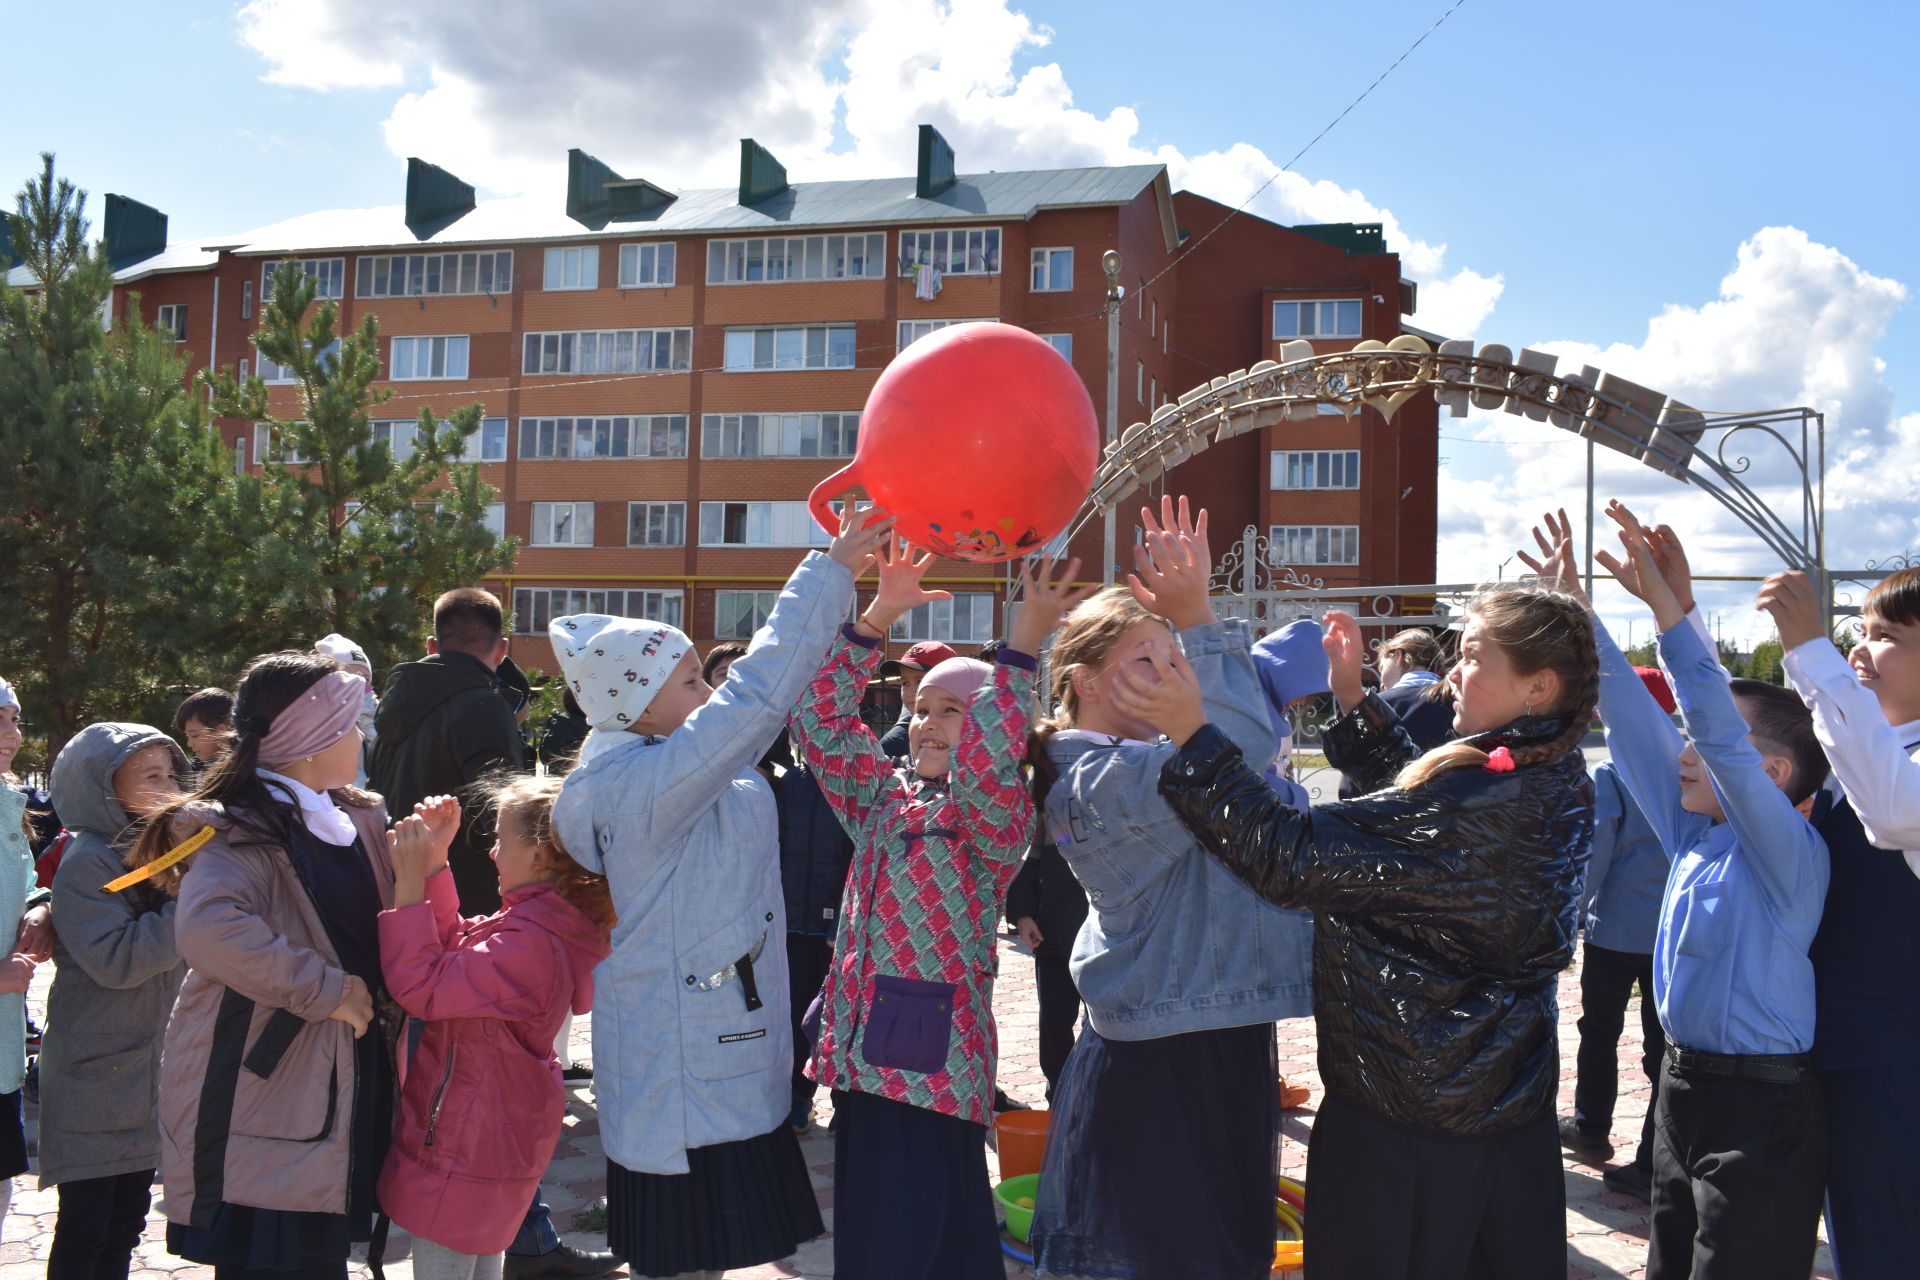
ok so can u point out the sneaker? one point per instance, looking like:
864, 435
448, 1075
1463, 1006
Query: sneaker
1598, 1149
1630, 1180
576, 1071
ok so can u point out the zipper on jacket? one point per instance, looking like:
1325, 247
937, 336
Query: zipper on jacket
440, 1093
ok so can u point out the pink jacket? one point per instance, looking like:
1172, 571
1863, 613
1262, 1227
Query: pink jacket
482, 1101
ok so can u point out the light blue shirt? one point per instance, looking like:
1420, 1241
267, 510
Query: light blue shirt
1626, 870
1744, 897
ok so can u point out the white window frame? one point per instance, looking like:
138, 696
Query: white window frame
246, 299
778, 435
1299, 469
434, 275
280, 375
860, 255
670, 517
535, 607
400, 435
545, 519
908, 332
764, 524
1043, 277
1326, 324
621, 436
487, 442
329, 276
761, 606
570, 267
760, 349
633, 264
172, 318
1061, 342
957, 251
939, 620
438, 350
563, 352
265, 449
1314, 544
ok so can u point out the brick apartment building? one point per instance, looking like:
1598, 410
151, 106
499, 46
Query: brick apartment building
665, 377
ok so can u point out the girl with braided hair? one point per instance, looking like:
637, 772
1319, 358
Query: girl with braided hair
1444, 908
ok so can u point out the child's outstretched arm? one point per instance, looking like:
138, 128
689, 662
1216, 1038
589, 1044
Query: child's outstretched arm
1881, 779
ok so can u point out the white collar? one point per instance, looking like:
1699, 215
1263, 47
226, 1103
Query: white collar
1099, 739
318, 812
1417, 678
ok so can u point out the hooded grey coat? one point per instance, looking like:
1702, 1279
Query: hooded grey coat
115, 976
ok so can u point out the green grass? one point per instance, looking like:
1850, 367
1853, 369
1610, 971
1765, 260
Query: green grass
592, 1218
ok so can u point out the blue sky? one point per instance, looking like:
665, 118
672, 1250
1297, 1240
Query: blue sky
1559, 174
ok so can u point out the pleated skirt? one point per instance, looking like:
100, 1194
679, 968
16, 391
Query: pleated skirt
738, 1205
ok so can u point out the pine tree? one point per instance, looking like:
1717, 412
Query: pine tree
350, 536
113, 485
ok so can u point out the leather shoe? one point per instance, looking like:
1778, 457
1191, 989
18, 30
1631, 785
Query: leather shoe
1631, 1180
1596, 1149
563, 1263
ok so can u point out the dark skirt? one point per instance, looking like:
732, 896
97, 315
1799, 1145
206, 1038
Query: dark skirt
910, 1194
247, 1239
13, 1137
738, 1205
1160, 1158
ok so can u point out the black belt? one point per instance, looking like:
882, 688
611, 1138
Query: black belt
1772, 1068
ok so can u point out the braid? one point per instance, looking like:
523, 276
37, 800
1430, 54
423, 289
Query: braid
1581, 698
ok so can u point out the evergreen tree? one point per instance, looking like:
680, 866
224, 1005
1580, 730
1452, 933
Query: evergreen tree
112, 480
350, 534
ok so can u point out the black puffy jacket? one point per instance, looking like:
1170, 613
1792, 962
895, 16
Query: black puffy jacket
815, 852
1443, 913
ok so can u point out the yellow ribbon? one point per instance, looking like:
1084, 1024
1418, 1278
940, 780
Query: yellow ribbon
162, 862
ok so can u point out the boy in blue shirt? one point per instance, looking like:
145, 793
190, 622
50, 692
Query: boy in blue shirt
1740, 1138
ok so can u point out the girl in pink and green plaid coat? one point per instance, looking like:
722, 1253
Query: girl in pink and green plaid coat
906, 1032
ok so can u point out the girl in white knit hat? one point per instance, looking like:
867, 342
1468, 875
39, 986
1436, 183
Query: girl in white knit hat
693, 1045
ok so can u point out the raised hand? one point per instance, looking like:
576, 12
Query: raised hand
1346, 653
1796, 610
1671, 559
901, 570
862, 531
1171, 701
1639, 573
1556, 565
1173, 565
1046, 594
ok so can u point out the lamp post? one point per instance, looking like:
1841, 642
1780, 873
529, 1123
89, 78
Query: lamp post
1110, 263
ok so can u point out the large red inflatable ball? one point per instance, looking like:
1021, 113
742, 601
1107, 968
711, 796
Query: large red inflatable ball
979, 439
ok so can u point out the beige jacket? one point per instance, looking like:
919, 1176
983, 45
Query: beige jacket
256, 1081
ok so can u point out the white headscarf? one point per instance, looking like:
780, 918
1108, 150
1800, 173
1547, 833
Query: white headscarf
615, 666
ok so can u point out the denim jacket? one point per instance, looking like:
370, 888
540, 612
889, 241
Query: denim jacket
1174, 942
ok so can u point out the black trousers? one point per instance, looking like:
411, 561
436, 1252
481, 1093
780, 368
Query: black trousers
100, 1222
1873, 1184
1059, 1014
1606, 985
1739, 1170
808, 958
1389, 1205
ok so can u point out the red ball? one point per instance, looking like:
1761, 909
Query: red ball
979, 439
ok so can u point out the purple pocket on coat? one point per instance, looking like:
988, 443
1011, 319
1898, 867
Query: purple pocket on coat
909, 1025
810, 1020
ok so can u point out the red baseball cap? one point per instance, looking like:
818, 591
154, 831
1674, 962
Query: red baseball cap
924, 656
1656, 682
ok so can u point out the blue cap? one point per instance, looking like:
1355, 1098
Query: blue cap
1291, 664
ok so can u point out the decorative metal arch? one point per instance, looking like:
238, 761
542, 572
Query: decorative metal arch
1707, 451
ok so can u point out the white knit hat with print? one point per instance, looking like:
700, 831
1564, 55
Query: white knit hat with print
615, 665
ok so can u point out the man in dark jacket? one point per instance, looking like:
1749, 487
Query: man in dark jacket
1047, 906
815, 852
443, 726
911, 667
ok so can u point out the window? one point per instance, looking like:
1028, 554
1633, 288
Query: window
1315, 469
608, 351
656, 524
1336, 319
246, 299
401, 437
759, 524
1153, 393
1140, 381
267, 447
857, 257
240, 455
493, 518
1052, 270
329, 276
738, 614
778, 435
658, 436
1061, 342
965, 619
646, 266
172, 318
412, 275
562, 524
488, 443
1315, 544
574, 268
957, 251
280, 374
911, 331
535, 607
417, 358
797, 347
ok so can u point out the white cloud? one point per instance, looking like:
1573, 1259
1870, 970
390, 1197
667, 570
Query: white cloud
835, 88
